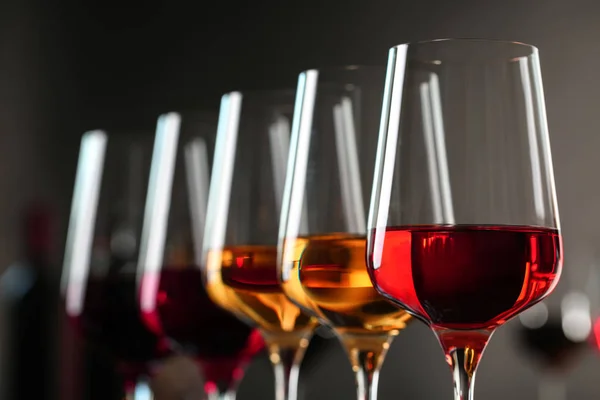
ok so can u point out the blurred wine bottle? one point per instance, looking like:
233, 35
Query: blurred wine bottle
29, 298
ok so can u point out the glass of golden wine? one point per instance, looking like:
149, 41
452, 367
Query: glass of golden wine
322, 239
239, 242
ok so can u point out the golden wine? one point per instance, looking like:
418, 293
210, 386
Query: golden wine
328, 274
244, 280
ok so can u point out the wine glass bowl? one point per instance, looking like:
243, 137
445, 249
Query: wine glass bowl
249, 271
464, 227
214, 337
331, 271
436, 272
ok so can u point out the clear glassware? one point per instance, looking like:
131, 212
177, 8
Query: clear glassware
239, 243
322, 237
130, 281
173, 300
464, 226
99, 273
555, 333
555, 337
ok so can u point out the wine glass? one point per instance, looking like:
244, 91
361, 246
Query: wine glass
555, 336
464, 220
556, 332
239, 244
322, 237
99, 273
173, 301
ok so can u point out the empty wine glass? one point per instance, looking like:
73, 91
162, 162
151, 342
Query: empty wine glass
322, 237
464, 222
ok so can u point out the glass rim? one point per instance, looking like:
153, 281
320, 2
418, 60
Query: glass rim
469, 40
200, 113
262, 93
121, 136
349, 68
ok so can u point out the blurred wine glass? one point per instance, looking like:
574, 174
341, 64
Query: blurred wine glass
99, 271
173, 299
555, 336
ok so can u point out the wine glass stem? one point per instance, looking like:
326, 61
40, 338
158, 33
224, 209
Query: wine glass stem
224, 391
464, 376
286, 363
226, 395
463, 351
367, 354
138, 390
365, 364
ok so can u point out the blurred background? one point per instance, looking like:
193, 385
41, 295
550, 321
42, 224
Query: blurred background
69, 66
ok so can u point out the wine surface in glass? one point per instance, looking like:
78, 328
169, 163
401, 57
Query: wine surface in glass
331, 272
250, 273
110, 321
185, 314
465, 277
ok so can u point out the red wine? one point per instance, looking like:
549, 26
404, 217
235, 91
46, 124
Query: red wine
595, 335
111, 322
185, 314
465, 277
549, 344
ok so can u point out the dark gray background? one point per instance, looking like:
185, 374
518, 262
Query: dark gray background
69, 66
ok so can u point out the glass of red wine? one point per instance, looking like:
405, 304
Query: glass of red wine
99, 273
555, 336
464, 226
173, 301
